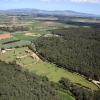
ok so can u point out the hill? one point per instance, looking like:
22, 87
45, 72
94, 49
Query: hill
16, 84
28, 11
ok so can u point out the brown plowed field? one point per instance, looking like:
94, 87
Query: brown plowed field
5, 36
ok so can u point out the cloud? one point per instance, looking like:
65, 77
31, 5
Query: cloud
86, 1
53, 0
77, 1
12, 0
45, 0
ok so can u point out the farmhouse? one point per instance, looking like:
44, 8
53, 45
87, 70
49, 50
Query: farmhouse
5, 36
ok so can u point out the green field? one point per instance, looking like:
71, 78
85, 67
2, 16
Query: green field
37, 28
16, 44
43, 27
65, 96
44, 69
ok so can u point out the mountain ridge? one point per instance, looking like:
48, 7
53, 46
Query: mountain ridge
49, 12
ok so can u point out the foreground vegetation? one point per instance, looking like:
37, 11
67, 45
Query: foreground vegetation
54, 74
16, 84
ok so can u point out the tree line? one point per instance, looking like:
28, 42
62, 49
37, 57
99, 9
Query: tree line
79, 92
76, 49
14, 28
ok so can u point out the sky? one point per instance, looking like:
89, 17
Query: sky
86, 6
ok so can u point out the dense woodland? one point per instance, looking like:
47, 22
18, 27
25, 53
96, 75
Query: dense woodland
96, 25
17, 84
76, 49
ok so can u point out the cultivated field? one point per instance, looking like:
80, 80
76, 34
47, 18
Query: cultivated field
15, 44
5, 36
23, 57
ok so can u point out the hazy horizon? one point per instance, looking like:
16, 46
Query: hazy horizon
83, 6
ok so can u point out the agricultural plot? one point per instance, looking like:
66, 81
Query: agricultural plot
16, 44
26, 36
5, 36
22, 56
49, 24
12, 39
43, 27
37, 29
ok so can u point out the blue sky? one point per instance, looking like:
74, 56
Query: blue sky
87, 6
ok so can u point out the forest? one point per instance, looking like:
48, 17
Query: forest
19, 84
76, 49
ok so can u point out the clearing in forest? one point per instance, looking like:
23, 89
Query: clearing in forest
35, 65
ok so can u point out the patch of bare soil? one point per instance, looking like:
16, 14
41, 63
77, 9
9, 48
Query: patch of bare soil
30, 34
49, 23
35, 57
5, 36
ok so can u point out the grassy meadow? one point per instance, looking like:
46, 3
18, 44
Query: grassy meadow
44, 68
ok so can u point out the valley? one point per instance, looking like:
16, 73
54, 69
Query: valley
62, 53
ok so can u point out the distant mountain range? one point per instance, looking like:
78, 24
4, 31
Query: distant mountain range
28, 11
